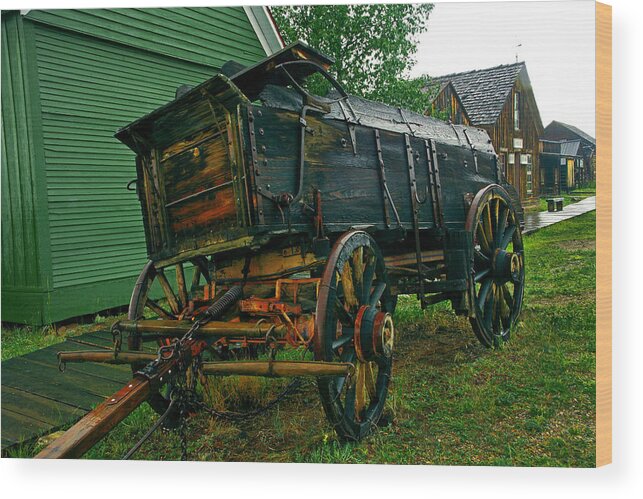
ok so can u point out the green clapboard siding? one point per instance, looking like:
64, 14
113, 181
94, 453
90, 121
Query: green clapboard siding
205, 36
24, 263
90, 87
72, 235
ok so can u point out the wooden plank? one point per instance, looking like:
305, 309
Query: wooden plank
21, 428
92, 383
94, 341
95, 425
107, 337
38, 399
215, 209
537, 220
75, 389
7, 441
196, 168
112, 373
43, 409
104, 339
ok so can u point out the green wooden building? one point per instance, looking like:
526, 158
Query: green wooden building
72, 235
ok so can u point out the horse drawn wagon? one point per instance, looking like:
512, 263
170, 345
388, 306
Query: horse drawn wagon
275, 218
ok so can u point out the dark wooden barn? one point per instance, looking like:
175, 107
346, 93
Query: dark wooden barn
561, 166
500, 100
586, 169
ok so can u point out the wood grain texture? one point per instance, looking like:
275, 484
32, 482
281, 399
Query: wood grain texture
349, 179
98, 422
603, 234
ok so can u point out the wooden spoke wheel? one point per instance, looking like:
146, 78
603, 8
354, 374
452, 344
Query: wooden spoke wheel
177, 297
497, 285
354, 324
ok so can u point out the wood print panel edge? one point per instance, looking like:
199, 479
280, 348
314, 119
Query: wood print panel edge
603, 234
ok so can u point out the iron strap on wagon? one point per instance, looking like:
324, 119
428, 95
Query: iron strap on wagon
278, 219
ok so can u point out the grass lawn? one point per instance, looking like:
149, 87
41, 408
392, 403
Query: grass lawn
21, 340
530, 403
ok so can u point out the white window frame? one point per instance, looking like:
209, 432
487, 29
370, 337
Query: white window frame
525, 159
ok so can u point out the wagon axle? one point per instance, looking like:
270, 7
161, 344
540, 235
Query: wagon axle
268, 369
506, 264
374, 333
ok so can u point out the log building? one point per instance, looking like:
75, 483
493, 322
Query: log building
501, 101
585, 170
561, 166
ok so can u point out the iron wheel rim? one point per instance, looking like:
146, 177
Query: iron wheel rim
496, 297
353, 405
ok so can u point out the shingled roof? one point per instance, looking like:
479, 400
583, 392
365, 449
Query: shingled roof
483, 92
574, 130
569, 147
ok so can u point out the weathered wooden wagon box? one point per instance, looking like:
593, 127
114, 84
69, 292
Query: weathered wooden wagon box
300, 219
217, 172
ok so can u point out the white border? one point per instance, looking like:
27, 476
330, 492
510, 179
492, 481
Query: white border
624, 478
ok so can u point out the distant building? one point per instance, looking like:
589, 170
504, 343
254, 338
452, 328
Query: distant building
561, 166
500, 100
586, 169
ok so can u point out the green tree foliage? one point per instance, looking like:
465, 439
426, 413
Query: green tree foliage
373, 47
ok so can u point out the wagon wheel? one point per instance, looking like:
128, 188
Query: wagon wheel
142, 305
353, 324
497, 285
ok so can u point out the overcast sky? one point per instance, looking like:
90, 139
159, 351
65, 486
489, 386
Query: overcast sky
557, 41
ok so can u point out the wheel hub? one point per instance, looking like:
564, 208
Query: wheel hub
374, 334
506, 264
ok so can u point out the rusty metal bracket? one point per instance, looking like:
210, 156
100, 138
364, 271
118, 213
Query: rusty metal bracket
117, 337
498, 171
321, 244
313, 103
287, 199
473, 149
245, 171
414, 188
123, 392
434, 181
405, 121
416, 223
255, 167
212, 103
384, 186
350, 125
455, 131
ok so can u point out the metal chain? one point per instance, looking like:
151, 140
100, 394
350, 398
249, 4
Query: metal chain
182, 428
292, 388
184, 390
175, 347
185, 396
149, 432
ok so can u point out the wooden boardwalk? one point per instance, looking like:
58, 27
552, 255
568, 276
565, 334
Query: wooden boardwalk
37, 399
537, 220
